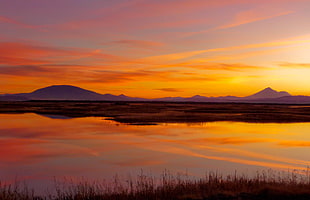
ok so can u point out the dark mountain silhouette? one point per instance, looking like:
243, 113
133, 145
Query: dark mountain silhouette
198, 98
11, 97
172, 99
294, 99
63, 92
268, 93
68, 92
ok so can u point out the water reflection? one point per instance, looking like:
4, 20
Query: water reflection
39, 148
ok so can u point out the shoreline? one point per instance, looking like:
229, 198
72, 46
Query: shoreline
151, 113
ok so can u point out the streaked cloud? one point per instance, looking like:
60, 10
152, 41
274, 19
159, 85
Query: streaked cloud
225, 66
169, 89
251, 16
295, 65
139, 43
97, 75
14, 53
15, 22
184, 55
295, 143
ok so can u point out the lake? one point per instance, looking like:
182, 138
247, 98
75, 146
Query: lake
37, 149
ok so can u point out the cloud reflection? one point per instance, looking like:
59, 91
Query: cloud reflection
96, 145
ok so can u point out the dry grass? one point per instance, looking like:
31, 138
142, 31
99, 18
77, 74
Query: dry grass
16, 191
268, 185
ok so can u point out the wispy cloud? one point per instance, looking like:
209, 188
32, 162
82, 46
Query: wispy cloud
295, 143
294, 65
188, 54
144, 14
237, 67
26, 70
169, 89
138, 43
251, 16
15, 22
14, 53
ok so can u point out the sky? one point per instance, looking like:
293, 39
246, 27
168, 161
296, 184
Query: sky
156, 48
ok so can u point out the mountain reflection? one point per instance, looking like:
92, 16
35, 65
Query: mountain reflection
35, 146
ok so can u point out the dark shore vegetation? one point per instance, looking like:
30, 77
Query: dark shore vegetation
144, 113
263, 186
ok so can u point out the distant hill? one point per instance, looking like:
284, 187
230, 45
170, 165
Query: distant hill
68, 92
268, 93
198, 98
9, 97
63, 92
294, 99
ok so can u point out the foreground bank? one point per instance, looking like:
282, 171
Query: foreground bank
266, 185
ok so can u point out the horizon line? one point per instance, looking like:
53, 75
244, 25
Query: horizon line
154, 89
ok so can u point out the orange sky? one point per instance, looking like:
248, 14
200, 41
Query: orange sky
159, 48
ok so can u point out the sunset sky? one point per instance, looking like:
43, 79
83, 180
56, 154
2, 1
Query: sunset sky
156, 48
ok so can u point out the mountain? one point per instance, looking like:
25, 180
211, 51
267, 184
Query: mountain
196, 98
294, 99
268, 93
68, 92
9, 97
171, 99
63, 92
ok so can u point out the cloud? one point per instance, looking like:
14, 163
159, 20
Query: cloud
31, 71
250, 16
138, 43
105, 76
14, 53
188, 54
226, 66
169, 89
20, 61
295, 143
294, 65
73, 73
134, 15
15, 22
77, 74
144, 75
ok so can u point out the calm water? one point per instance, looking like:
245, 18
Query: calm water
38, 148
